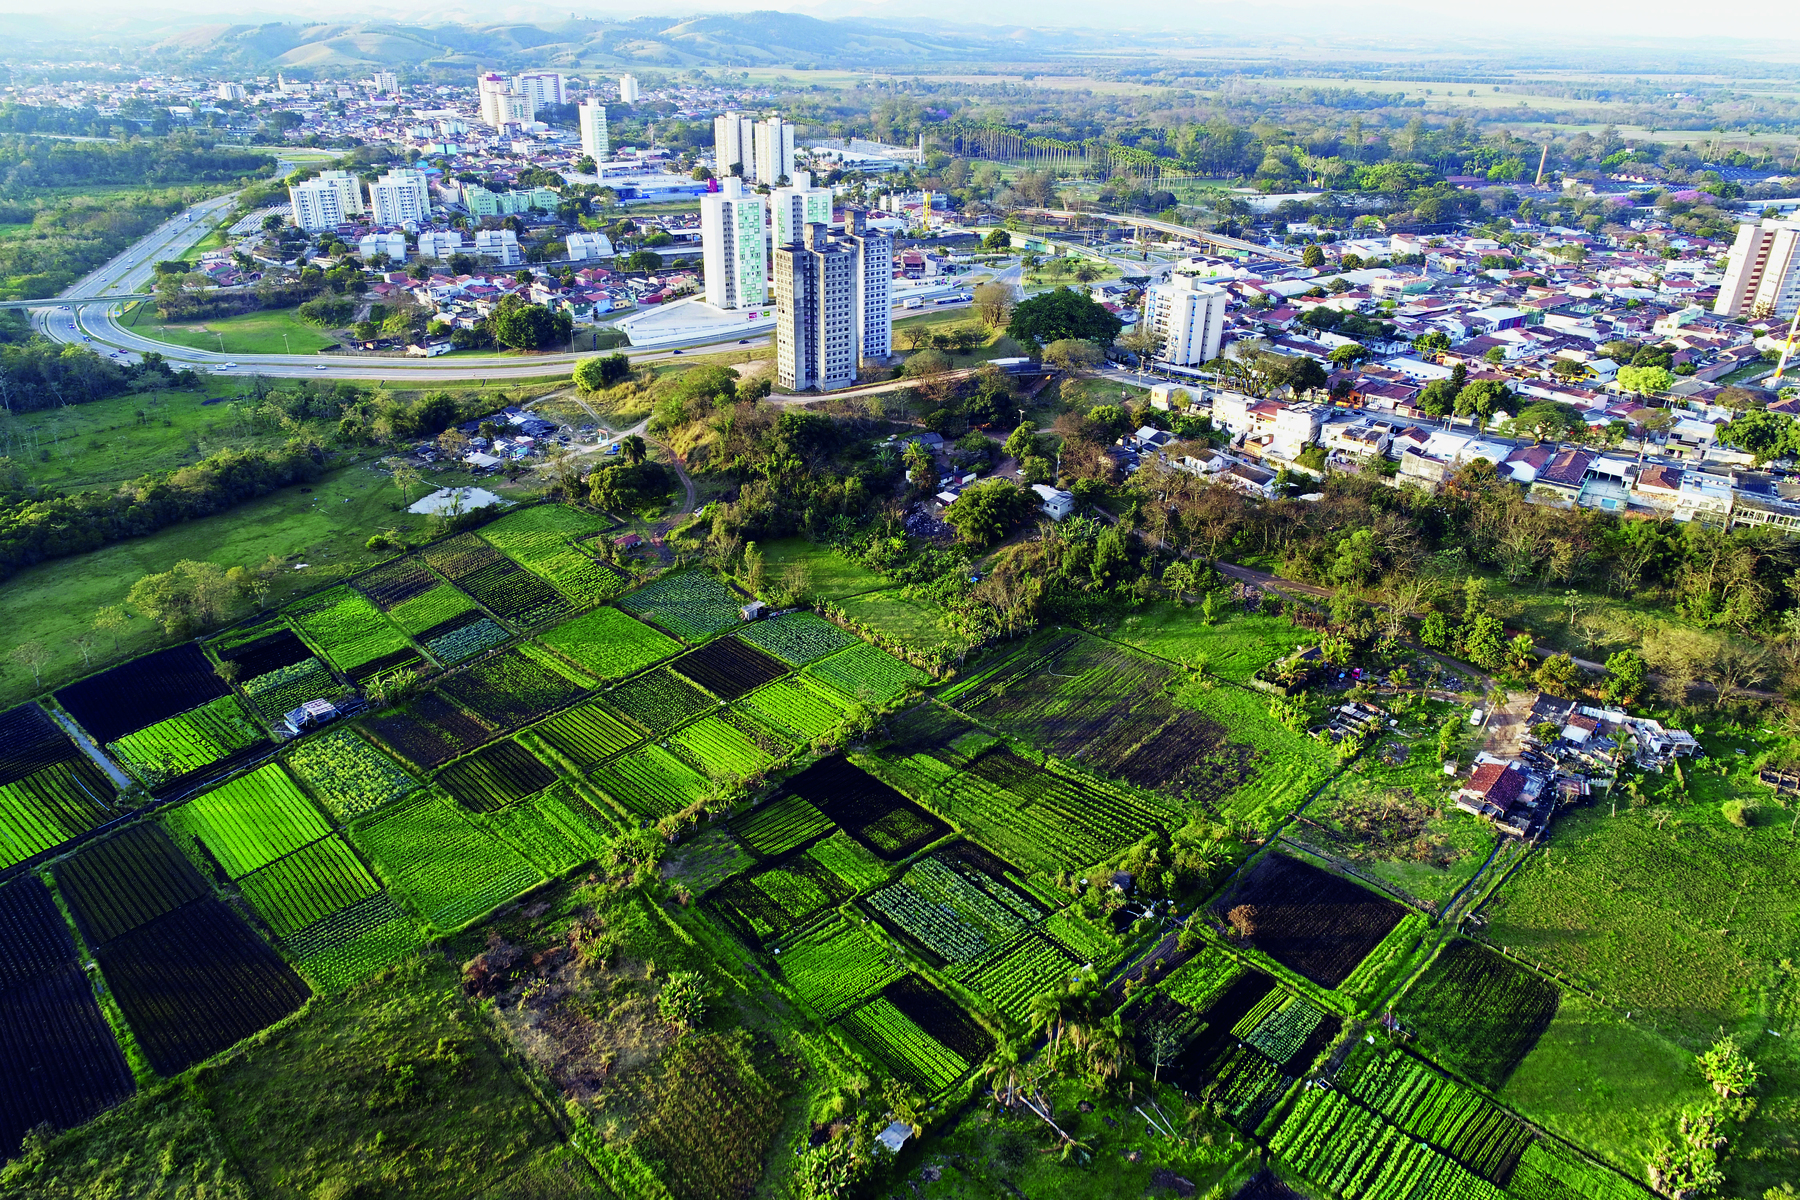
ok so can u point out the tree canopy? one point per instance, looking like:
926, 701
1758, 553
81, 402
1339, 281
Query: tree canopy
1060, 314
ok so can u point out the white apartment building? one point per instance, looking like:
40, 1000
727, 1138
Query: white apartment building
349, 190
1191, 317
400, 196
230, 91
732, 246
874, 286
386, 82
440, 245
1762, 277
595, 143
501, 245
774, 145
815, 312
391, 244
318, 205
628, 89
793, 208
544, 87
584, 246
734, 144
503, 104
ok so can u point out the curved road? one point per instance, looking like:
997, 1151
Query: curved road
131, 272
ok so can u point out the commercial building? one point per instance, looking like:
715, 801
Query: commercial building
391, 244
386, 82
793, 208
815, 312
1190, 315
502, 245
595, 142
584, 246
440, 244
774, 145
732, 225
628, 89
734, 144
502, 103
230, 91
1762, 277
400, 196
318, 205
544, 87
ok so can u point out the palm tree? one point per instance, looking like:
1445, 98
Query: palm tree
1046, 1014
633, 449
1003, 1065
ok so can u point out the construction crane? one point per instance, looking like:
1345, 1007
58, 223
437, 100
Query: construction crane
1787, 351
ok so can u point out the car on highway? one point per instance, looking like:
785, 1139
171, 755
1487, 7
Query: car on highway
743, 341
320, 367
675, 352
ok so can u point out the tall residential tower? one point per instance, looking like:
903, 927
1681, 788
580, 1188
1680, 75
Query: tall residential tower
1191, 317
594, 140
1762, 277
732, 224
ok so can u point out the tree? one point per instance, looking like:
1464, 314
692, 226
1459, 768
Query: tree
997, 239
1022, 442
191, 595
597, 374
682, 1000
1484, 641
34, 657
994, 303
989, 511
112, 620
521, 326
406, 477
1073, 354
1349, 354
1645, 379
921, 468
1312, 257
1438, 398
1062, 313
1144, 343
1626, 673
1761, 434
1556, 674
1729, 1071
632, 446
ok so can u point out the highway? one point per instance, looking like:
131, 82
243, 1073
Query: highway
130, 273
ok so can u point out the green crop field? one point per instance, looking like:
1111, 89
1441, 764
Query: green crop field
251, 821
867, 674
349, 776
650, 783
193, 740
892, 616
308, 885
609, 643
541, 539
347, 628
450, 871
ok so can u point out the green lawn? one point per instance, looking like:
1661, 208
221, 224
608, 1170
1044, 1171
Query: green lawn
833, 576
249, 333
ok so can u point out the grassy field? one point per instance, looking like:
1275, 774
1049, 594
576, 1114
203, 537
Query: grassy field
127, 437
324, 528
994, 344
249, 333
894, 616
1604, 1083
833, 576
1233, 647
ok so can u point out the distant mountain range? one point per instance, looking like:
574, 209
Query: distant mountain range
718, 40
887, 34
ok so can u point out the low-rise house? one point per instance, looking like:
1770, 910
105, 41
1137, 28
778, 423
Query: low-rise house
1492, 790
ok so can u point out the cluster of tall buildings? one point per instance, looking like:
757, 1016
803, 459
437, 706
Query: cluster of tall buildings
515, 100
1762, 276
832, 291
394, 198
758, 151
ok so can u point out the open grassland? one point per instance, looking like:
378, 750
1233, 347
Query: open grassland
247, 333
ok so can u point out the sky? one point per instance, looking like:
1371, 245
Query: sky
1518, 22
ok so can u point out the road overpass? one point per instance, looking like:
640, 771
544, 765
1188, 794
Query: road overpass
1185, 232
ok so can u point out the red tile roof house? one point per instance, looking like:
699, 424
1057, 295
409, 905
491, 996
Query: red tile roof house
1491, 791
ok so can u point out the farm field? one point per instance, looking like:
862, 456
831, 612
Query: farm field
895, 618
831, 576
711, 875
